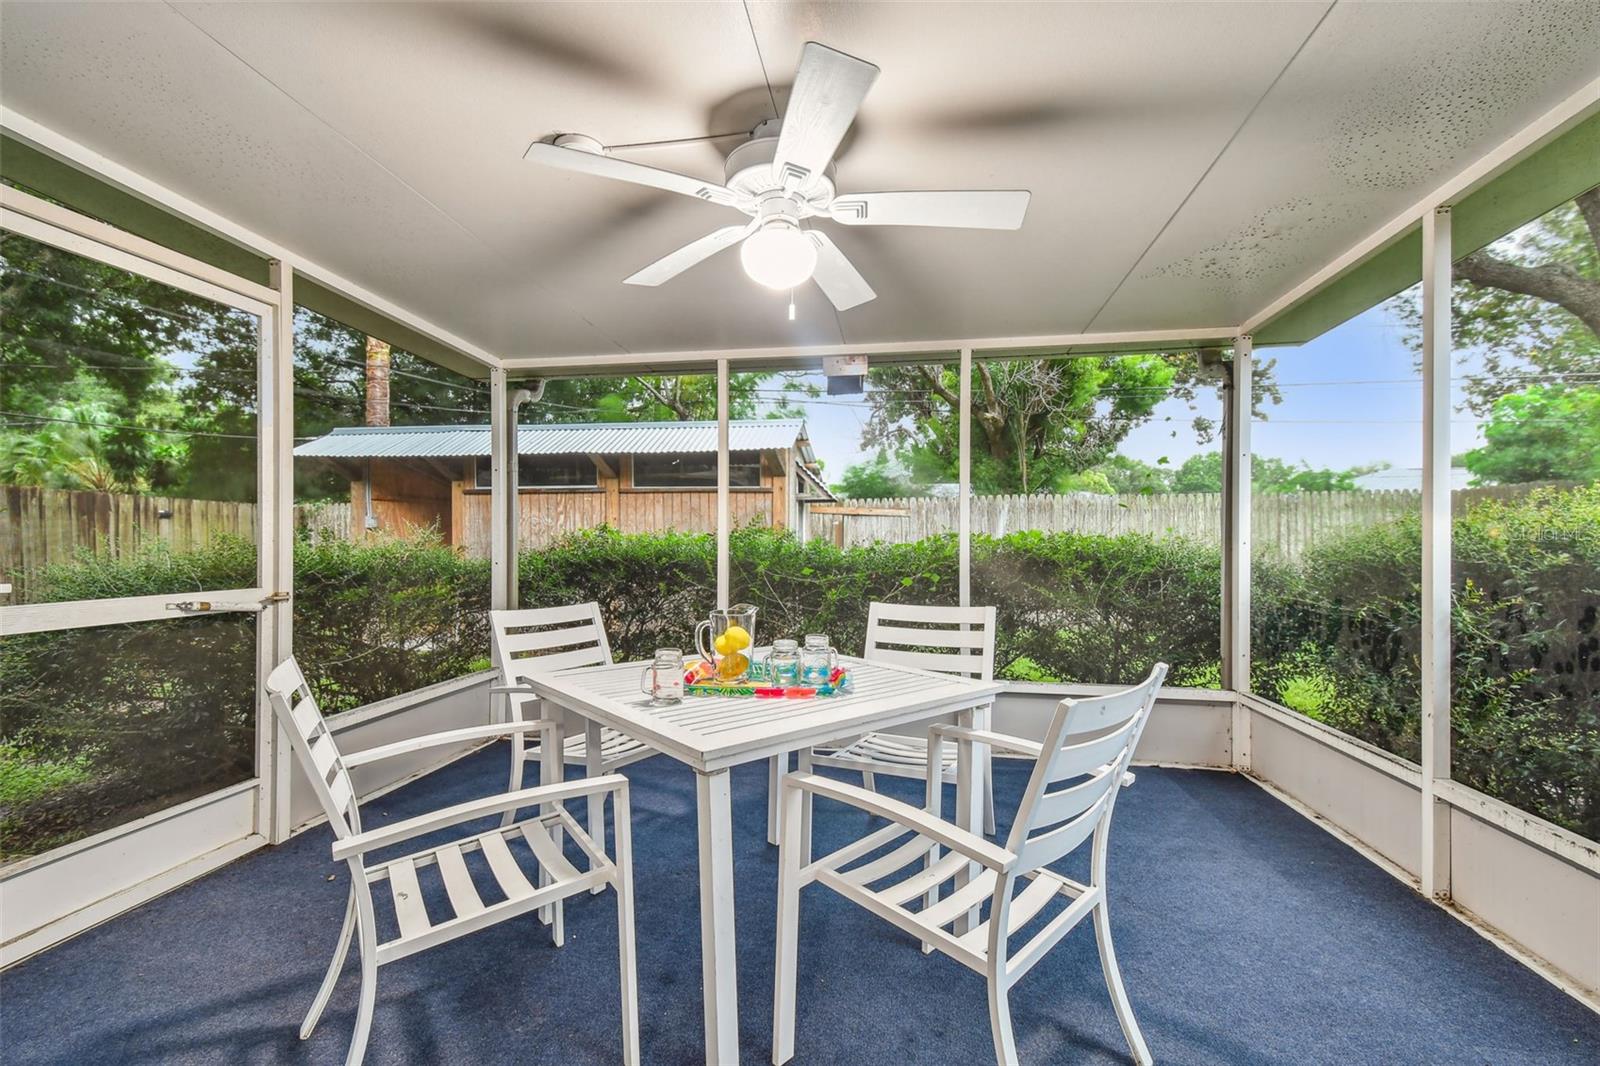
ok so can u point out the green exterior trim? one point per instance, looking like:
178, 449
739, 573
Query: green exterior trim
1551, 176
40, 173
23, 165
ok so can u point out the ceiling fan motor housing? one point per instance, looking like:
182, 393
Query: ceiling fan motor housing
749, 171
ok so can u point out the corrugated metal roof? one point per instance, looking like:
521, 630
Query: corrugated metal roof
602, 438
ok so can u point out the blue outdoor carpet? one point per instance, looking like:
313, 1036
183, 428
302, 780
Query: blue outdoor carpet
1246, 935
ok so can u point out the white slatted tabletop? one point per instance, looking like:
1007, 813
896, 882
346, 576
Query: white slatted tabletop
714, 733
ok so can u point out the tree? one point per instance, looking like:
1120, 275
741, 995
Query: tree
1527, 307
665, 398
1126, 474
876, 480
1268, 475
1038, 421
1543, 433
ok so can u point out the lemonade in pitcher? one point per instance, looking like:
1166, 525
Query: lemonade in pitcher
725, 640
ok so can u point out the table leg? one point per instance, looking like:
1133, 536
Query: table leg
717, 954
803, 765
595, 766
552, 768
777, 766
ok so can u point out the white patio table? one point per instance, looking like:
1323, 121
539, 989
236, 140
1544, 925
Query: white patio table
714, 734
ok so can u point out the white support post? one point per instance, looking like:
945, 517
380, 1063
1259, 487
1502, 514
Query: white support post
275, 758
502, 495
1236, 539
1436, 549
724, 519
964, 489
502, 513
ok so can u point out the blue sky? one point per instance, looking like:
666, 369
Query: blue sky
1350, 397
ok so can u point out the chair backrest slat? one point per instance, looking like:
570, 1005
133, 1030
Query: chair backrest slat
314, 746
1073, 760
1088, 745
1044, 848
1064, 804
540, 639
946, 640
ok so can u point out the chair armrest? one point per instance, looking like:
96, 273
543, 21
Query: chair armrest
1003, 741
515, 690
929, 825
558, 792
434, 740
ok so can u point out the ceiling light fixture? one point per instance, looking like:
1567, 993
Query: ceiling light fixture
779, 255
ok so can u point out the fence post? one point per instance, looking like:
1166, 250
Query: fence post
1236, 538
1436, 549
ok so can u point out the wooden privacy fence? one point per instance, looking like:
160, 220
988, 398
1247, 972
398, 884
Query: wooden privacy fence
1283, 524
43, 526
39, 527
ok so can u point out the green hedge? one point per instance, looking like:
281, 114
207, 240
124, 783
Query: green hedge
1339, 639
99, 725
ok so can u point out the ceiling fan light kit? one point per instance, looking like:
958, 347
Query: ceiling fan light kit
779, 255
782, 176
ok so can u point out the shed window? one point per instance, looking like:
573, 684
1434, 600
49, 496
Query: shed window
697, 471
546, 472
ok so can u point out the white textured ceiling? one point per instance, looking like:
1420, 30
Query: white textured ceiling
1189, 162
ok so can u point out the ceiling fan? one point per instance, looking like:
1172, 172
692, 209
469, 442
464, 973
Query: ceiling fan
782, 176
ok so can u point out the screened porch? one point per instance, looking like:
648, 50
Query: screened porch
1279, 399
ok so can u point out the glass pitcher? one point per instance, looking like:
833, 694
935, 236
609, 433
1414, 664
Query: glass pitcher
725, 640
662, 680
817, 660
782, 664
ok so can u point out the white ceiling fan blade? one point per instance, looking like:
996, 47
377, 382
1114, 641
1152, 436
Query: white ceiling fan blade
828, 90
672, 264
840, 282
975, 209
605, 166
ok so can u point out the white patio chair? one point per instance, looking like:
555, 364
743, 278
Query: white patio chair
1088, 747
328, 770
965, 637
536, 639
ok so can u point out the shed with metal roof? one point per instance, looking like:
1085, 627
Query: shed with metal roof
635, 477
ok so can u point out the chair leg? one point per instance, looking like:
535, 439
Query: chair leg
1119, 995
868, 781
932, 795
519, 759
988, 794
369, 990
335, 965
1005, 1043
786, 971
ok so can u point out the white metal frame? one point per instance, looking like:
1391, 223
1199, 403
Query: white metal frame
967, 637
328, 769
247, 813
1089, 745
1580, 105
714, 734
